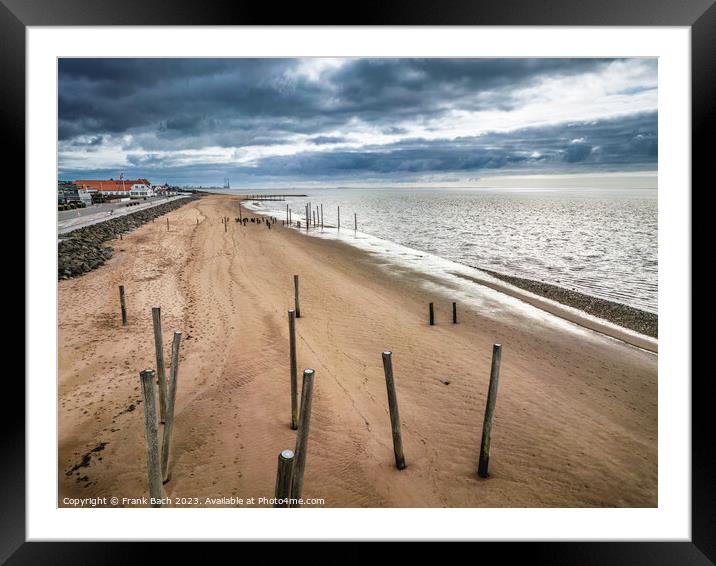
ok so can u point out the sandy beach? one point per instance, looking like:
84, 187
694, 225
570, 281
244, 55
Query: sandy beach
576, 417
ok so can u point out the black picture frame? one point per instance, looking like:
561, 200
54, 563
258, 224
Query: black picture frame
699, 15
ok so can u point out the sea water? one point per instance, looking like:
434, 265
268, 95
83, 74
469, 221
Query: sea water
601, 242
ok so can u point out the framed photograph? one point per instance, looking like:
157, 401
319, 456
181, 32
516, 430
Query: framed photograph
391, 279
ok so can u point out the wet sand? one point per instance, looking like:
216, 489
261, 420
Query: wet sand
576, 416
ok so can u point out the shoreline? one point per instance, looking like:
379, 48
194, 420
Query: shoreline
640, 321
576, 419
628, 324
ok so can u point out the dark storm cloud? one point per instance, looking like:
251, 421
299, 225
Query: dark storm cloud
374, 86
577, 151
118, 95
622, 143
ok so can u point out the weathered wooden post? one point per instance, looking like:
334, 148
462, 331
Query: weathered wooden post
432, 314
355, 222
297, 306
171, 396
225, 223
293, 364
302, 435
120, 236
489, 411
321, 216
339, 217
154, 470
159, 351
454, 312
283, 478
122, 305
393, 407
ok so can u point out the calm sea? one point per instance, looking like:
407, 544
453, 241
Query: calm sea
599, 242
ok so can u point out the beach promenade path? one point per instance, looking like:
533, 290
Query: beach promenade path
576, 415
79, 218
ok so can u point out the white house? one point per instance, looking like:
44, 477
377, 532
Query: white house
139, 190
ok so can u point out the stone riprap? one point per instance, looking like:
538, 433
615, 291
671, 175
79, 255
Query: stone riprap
84, 249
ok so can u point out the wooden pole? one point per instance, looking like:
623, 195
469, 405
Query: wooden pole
432, 315
489, 411
355, 222
294, 374
171, 396
167, 224
393, 407
339, 217
123, 305
321, 216
159, 351
454, 312
283, 478
297, 306
154, 471
302, 435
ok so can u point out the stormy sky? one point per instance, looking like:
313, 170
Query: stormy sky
284, 122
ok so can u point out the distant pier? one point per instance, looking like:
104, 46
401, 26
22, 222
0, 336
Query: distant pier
271, 197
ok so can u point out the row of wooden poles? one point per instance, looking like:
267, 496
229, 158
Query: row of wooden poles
289, 484
291, 464
157, 456
314, 217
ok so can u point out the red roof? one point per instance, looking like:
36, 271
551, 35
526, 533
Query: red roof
110, 185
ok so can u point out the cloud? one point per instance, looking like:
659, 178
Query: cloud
578, 151
624, 143
260, 118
